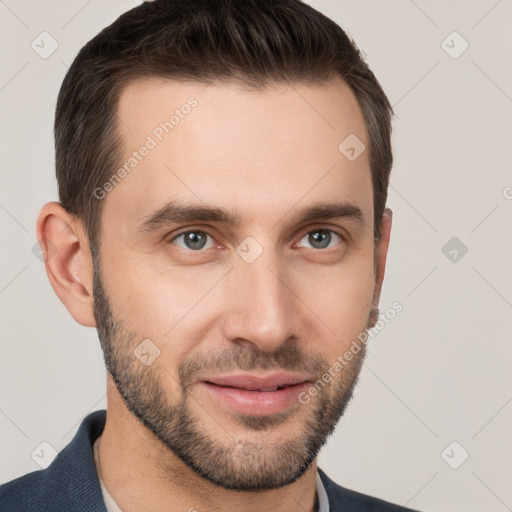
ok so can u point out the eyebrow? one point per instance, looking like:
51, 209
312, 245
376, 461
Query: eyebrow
175, 212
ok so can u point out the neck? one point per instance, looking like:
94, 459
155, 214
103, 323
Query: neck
140, 473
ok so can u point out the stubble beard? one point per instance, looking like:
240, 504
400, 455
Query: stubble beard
245, 463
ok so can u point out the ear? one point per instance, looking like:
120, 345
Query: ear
381, 252
68, 260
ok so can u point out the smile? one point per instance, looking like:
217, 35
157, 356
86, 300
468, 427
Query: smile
256, 395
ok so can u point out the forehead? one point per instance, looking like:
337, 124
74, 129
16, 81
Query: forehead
260, 151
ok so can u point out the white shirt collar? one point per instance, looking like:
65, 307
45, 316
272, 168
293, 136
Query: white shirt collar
323, 501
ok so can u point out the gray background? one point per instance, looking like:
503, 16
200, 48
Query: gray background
438, 373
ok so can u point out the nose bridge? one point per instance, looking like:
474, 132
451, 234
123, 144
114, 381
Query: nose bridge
262, 307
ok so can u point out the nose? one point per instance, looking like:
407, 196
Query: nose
261, 305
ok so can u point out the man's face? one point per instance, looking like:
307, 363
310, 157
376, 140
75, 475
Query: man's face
200, 319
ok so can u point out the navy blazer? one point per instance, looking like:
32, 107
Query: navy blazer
70, 483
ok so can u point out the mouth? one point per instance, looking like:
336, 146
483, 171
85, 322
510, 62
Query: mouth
256, 395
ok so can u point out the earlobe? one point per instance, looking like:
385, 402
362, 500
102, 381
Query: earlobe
68, 261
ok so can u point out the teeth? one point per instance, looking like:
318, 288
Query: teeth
269, 389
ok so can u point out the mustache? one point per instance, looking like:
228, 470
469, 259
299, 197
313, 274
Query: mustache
289, 357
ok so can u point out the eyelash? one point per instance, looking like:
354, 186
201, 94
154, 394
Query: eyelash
302, 235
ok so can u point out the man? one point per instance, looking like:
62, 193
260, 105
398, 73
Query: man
223, 169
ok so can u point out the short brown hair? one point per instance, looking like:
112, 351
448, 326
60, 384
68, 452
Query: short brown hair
250, 42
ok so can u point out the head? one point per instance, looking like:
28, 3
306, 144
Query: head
211, 223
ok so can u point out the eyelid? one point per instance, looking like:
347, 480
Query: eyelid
172, 236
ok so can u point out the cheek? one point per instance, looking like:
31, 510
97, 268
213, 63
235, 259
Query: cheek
169, 307
341, 298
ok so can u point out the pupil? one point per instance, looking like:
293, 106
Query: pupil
195, 240
321, 237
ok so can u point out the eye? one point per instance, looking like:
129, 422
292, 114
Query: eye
194, 240
321, 238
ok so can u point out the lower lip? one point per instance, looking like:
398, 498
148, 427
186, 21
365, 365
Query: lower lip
257, 403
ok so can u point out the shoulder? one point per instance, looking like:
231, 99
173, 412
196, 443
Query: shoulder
70, 482
23, 492
343, 499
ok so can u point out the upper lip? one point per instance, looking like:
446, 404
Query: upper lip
253, 382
